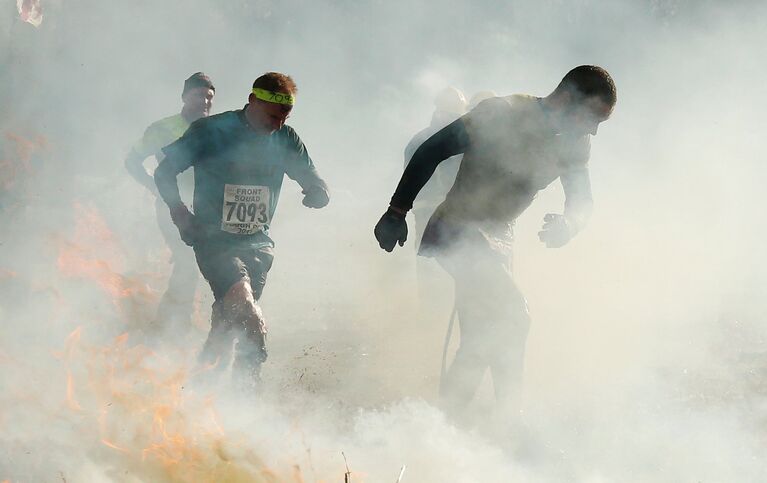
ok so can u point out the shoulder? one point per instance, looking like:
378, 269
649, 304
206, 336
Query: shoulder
217, 121
287, 131
489, 114
161, 125
523, 105
170, 121
522, 101
215, 128
204, 133
288, 137
160, 133
505, 104
490, 106
494, 108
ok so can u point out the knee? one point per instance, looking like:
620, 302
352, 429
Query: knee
240, 306
239, 300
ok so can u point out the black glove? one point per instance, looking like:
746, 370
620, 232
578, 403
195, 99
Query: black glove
391, 228
556, 231
186, 224
315, 197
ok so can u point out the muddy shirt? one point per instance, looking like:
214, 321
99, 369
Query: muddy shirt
238, 175
510, 153
160, 134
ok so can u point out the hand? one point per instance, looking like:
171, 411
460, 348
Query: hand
556, 231
186, 224
391, 228
315, 197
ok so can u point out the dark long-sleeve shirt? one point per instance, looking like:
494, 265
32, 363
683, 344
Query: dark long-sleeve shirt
443, 178
445, 143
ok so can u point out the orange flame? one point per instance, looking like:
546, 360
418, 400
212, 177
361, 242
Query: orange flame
70, 343
94, 254
152, 425
114, 446
71, 401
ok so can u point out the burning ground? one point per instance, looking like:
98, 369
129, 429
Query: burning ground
93, 392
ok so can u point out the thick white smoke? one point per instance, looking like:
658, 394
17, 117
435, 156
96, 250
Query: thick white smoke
646, 358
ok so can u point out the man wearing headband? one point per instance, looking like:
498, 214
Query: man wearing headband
512, 147
240, 159
177, 303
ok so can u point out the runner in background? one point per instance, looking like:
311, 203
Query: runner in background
177, 303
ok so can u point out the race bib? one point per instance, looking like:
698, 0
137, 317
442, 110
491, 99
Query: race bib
246, 209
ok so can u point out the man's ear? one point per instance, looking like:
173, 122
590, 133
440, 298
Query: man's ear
252, 98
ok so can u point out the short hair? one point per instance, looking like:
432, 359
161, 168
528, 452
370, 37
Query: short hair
276, 82
198, 79
587, 81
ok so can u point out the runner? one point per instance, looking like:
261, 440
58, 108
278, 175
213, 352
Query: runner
512, 148
177, 303
239, 160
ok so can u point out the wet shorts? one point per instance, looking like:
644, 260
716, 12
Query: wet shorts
223, 266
